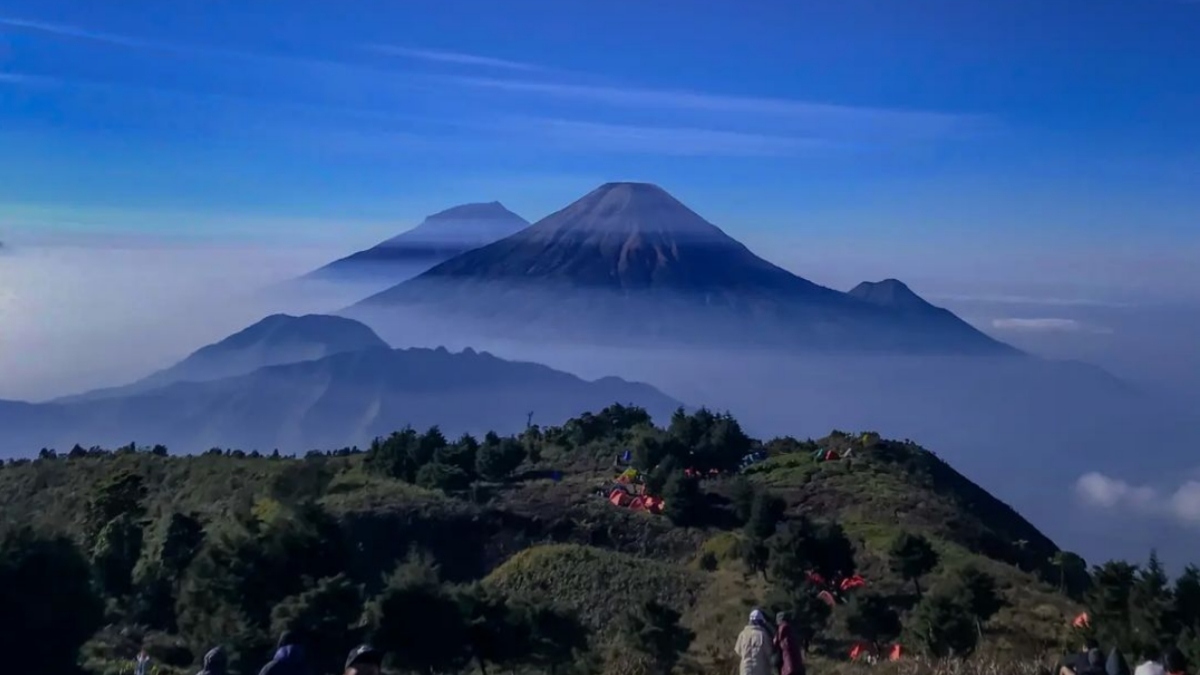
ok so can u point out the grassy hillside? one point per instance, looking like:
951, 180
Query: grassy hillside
527, 517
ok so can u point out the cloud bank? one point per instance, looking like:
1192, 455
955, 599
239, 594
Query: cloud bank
74, 318
1046, 325
1181, 504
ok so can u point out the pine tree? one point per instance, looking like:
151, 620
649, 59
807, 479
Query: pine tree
912, 557
1151, 606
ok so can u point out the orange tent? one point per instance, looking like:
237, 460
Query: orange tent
827, 598
1082, 621
895, 654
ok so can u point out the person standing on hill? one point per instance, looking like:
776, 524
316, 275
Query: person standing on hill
1076, 664
754, 646
1116, 664
214, 662
1151, 664
788, 645
1174, 662
364, 660
289, 657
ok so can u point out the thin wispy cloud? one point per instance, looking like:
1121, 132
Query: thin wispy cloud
670, 141
25, 79
1027, 300
130, 42
819, 113
1047, 325
77, 32
457, 58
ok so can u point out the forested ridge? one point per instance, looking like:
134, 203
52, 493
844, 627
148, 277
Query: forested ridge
605, 545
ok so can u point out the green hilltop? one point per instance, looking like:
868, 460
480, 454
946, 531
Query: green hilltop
516, 553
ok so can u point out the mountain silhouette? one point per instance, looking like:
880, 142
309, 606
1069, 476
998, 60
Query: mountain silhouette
275, 340
890, 293
629, 262
337, 401
438, 238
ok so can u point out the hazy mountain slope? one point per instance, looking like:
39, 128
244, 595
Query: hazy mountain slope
628, 262
275, 340
439, 237
340, 400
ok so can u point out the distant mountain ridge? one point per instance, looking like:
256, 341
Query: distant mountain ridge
344, 398
629, 262
275, 340
438, 238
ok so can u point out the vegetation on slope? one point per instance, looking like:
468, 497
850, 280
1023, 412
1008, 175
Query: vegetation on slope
507, 552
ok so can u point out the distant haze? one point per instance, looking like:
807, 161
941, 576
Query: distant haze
73, 319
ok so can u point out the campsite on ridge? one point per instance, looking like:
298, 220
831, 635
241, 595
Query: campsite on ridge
713, 522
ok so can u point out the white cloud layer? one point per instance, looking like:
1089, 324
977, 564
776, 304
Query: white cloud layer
76, 318
1181, 504
1046, 325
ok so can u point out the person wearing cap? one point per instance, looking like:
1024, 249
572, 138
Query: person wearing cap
364, 660
754, 646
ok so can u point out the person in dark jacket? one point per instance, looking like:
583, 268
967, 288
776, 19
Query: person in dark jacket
1174, 662
1116, 664
787, 645
290, 658
215, 662
364, 660
1073, 664
1095, 664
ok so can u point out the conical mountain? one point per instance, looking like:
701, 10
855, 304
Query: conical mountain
629, 237
628, 262
438, 238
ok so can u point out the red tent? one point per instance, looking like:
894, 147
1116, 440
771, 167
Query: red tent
850, 583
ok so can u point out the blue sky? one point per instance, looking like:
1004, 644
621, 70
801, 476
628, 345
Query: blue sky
983, 125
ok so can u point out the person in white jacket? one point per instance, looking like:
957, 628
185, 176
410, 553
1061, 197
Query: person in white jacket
754, 646
1151, 664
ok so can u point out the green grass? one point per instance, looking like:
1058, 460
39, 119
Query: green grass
598, 585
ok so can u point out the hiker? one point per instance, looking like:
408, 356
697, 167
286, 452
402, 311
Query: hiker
142, 664
754, 646
1116, 664
1174, 662
787, 643
1077, 663
364, 660
1151, 663
289, 657
214, 662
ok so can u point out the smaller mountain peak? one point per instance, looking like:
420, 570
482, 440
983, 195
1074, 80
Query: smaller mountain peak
632, 186
311, 327
889, 293
474, 211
